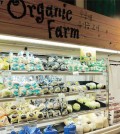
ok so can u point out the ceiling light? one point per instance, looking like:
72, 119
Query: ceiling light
52, 43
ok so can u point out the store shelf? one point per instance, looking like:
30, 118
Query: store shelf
60, 119
90, 73
52, 73
52, 95
37, 97
53, 121
42, 72
115, 129
96, 91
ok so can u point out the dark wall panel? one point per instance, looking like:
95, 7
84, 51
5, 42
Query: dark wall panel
72, 2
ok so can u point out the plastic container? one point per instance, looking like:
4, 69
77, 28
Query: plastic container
50, 130
70, 129
29, 130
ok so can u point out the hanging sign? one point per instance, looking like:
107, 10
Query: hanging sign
87, 55
58, 21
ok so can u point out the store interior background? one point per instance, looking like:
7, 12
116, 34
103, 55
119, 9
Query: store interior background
114, 59
108, 8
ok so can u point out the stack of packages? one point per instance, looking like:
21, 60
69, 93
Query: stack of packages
88, 123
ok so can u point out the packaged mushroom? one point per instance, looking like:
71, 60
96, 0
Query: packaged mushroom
11, 109
22, 118
31, 116
40, 115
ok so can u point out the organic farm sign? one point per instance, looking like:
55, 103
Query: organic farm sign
57, 21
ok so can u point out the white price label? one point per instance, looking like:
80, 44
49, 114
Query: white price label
98, 91
87, 95
61, 96
74, 115
33, 123
20, 99
3, 131
1, 79
82, 93
6, 73
9, 129
76, 73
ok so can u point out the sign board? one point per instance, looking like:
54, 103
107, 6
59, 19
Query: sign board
87, 54
57, 21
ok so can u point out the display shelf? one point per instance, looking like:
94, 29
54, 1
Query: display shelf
90, 73
54, 120
52, 72
96, 91
37, 97
115, 129
51, 95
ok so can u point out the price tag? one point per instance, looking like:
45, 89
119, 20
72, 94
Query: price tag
82, 93
87, 95
33, 123
1, 79
3, 131
74, 115
61, 96
20, 99
76, 73
9, 129
6, 73
98, 91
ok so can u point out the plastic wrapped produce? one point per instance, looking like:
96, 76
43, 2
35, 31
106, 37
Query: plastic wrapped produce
50, 90
64, 112
91, 85
22, 118
15, 92
63, 67
69, 108
36, 91
39, 115
6, 93
22, 91
37, 61
15, 67
39, 67
2, 86
57, 89
45, 89
49, 105
22, 67
56, 105
31, 116
13, 118
15, 85
76, 107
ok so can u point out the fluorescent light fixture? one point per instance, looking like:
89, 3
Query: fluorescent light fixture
52, 43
